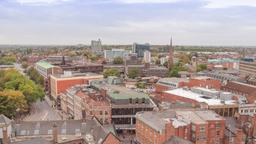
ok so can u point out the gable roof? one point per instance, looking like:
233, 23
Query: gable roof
4, 120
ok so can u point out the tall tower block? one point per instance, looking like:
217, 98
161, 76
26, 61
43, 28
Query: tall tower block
171, 51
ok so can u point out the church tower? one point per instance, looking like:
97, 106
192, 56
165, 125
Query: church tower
171, 51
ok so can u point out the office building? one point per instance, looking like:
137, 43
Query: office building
125, 103
139, 49
147, 57
247, 68
109, 55
96, 46
60, 82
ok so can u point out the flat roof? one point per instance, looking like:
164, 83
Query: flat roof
75, 75
173, 80
45, 64
119, 92
198, 97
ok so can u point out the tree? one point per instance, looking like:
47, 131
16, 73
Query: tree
12, 102
141, 85
133, 73
35, 76
24, 65
13, 80
7, 60
111, 72
118, 60
201, 67
174, 72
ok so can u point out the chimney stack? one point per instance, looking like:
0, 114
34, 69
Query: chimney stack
55, 133
6, 139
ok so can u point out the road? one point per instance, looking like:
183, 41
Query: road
19, 68
42, 111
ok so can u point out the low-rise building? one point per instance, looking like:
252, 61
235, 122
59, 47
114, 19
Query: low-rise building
81, 101
46, 69
89, 131
165, 84
224, 107
197, 126
125, 103
60, 82
247, 90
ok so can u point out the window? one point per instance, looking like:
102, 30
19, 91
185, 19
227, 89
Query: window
106, 112
130, 100
143, 100
101, 113
202, 129
193, 128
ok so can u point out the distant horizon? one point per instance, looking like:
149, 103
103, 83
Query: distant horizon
229, 46
70, 22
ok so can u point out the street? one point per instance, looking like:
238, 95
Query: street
42, 111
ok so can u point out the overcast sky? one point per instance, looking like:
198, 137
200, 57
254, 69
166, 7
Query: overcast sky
189, 22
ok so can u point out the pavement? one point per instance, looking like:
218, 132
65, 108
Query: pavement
42, 111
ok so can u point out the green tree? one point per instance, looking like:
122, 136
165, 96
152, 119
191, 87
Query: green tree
12, 102
174, 72
35, 76
13, 80
24, 65
7, 60
118, 60
133, 73
141, 85
201, 67
111, 72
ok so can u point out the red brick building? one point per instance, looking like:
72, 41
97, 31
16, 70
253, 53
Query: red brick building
197, 126
165, 84
59, 83
247, 90
200, 99
96, 105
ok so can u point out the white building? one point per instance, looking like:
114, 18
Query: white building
96, 46
147, 57
109, 55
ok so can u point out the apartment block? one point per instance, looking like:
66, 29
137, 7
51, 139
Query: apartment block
197, 126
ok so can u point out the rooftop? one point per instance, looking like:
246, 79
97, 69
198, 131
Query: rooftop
173, 80
45, 64
119, 92
198, 97
4, 120
178, 117
69, 74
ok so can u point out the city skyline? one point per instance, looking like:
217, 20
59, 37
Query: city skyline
198, 22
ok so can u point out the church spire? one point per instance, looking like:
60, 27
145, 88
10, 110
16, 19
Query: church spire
171, 51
